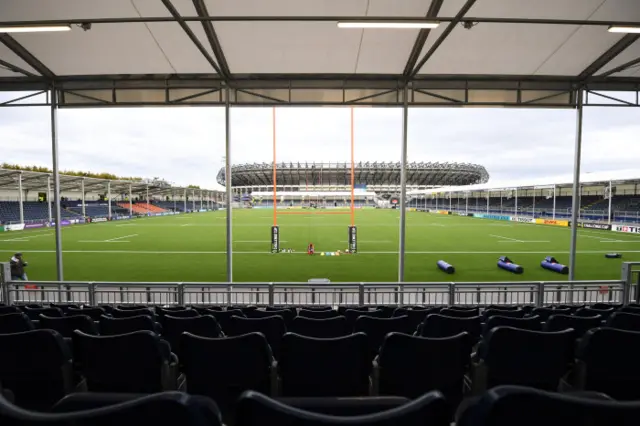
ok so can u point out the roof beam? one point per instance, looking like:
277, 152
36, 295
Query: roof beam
26, 56
620, 68
421, 39
16, 69
626, 41
216, 47
456, 20
194, 39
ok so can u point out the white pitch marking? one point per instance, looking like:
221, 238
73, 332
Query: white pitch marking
372, 241
94, 241
119, 238
506, 238
257, 241
601, 239
523, 241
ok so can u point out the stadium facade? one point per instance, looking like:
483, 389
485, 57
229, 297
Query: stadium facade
379, 177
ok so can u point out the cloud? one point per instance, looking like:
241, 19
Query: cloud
187, 145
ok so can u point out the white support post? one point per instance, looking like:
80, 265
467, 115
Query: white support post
109, 199
147, 194
130, 201
201, 206
488, 197
450, 201
554, 202
403, 183
575, 201
227, 175
56, 182
84, 210
49, 198
193, 200
610, 201
20, 198
500, 201
534, 203
516, 205
466, 203
436, 201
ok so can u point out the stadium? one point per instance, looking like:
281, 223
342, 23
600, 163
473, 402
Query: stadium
447, 273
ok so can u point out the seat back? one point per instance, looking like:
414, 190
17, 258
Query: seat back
411, 366
529, 358
627, 309
316, 308
503, 308
377, 328
255, 409
36, 367
113, 326
285, 314
352, 315
529, 323
415, 316
438, 325
608, 360
318, 314
128, 313
224, 318
322, 328
273, 328
205, 326
624, 321
34, 313
516, 405
223, 368
591, 312
488, 313
545, 313
459, 313
66, 325
579, 324
93, 312
15, 323
9, 310
312, 367
133, 362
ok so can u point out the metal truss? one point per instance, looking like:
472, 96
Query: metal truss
369, 173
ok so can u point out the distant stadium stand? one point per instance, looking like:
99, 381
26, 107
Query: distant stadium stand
33, 210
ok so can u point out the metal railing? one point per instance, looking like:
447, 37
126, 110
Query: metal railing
347, 293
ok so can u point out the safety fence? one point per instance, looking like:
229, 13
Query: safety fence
352, 293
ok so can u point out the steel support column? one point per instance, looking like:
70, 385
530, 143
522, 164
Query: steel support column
109, 200
575, 202
56, 183
610, 201
193, 200
201, 207
554, 202
147, 194
488, 197
130, 201
20, 198
185, 200
516, 205
49, 199
227, 177
533, 213
403, 182
84, 210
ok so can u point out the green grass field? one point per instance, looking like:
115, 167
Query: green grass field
189, 248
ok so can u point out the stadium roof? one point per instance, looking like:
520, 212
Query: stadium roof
173, 52
586, 178
9, 180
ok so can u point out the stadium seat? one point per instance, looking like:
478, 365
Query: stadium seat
624, 321
503, 313
93, 312
459, 313
377, 328
178, 313
112, 326
15, 323
224, 318
205, 310
225, 367
545, 313
415, 316
411, 366
345, 406
324, 367
342, 309
293, 309
606, 306
131, 307
627, 309
503, 308
579, 324
517, 405
387, 310
437, 325
9, 310
64, 307
319, 314
475, 310
255, 409
36, 367
34, 313
352, 315
128, 313
285, 314
136, 362
570, 308
316, 308
607, 360
273, 328
530, 323
590, 312
205, 326
522, 357
66, 325
321, 328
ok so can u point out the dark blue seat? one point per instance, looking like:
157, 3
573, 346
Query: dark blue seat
34, 313
630, 310
15, 323
416, 316
624, 321
285, 314
224, 318
377, 328
112, 326
608, 362
324, 367
579, 324
273, 328
176, 313
66, 325
316, 308
9, 310
592, 312
516, 405
513, 356
318, 314
128, 313
223, 368
459, 313
411, 366
437, 325
204, 326
545, 313
255, 409
36, 367
136, 362
529, 323
352, 315
322, 328
488, 313
93, 312
503, 308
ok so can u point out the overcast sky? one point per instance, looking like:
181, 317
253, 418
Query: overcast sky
186, 145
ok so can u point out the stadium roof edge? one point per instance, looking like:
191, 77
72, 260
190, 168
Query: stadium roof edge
586, 178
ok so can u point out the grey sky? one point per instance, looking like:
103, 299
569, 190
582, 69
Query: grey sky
186, 145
